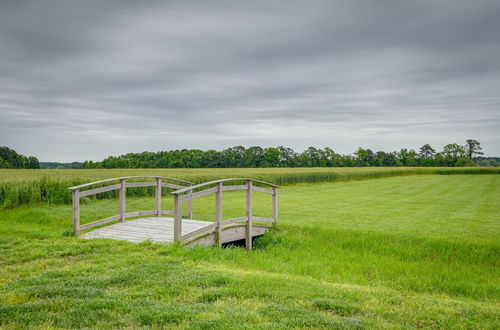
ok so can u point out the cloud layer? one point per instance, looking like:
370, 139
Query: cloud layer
86, 79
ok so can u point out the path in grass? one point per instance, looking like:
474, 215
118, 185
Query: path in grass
405, 251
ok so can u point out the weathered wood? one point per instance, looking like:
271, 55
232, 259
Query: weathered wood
200, 231
218, 213
99, 190
230, 234
177, 229
199, 194
139, 213
140, 184
235, 220
100, 222
123, 193
261, 219
237, 233
275, 205
76, 211
235, 187
259, 189
170, 212
171, 185
125, 178
248, 237
183, 190
158, 197
155, 229
178, 218
190, 205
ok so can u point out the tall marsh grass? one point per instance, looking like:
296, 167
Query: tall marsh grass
28, 187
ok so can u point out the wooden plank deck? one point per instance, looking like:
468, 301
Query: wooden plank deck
155, 229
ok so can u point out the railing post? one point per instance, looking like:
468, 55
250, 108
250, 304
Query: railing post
275, 205
123, 193
248, 238
190, 205
178, 218
158, 197
76, 211
218, 214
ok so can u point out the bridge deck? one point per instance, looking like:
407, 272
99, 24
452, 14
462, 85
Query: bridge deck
155, 229
189, 232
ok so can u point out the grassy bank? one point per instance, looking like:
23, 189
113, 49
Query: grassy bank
30, 187
398, 252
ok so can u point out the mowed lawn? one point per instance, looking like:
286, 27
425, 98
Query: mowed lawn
418, 251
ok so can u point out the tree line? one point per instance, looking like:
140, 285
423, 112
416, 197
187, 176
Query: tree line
9, 158
61, 166
451, 155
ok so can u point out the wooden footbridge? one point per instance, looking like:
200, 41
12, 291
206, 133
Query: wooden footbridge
152, 225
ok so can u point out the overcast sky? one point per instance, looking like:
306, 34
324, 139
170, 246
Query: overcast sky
82, 80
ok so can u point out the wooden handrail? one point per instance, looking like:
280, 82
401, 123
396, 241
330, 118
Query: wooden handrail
184, 194
122, 186
126, 178
183, 190
180, 196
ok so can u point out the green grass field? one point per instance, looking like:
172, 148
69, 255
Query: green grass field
31, 187
399, 252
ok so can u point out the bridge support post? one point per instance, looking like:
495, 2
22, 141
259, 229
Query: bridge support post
177, 218
76, 211
248, 236
123, 194
190, 205
158, 197
218, 214
275, 205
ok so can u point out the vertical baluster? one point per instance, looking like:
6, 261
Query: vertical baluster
76, 211
248, 238
190, 205
275, 205
123, 193
158, 197
178, 218
218, 213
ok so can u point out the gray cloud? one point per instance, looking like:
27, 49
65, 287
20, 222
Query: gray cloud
86, 79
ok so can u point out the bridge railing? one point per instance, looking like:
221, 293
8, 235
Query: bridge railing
217, 187
121, 184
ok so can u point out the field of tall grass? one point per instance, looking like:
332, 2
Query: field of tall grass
31, 187
400, 252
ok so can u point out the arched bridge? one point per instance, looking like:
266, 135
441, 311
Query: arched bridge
180, 226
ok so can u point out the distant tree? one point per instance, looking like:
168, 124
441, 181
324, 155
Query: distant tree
426, 151
407, 157
253, 157
271, 157
313, 157
464, 162
452, 152
211, 159
328, 157
426, 155
4, 164
288, 157
9, 158
233, 157
33, 162
473, 147
257, 156
364, 157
